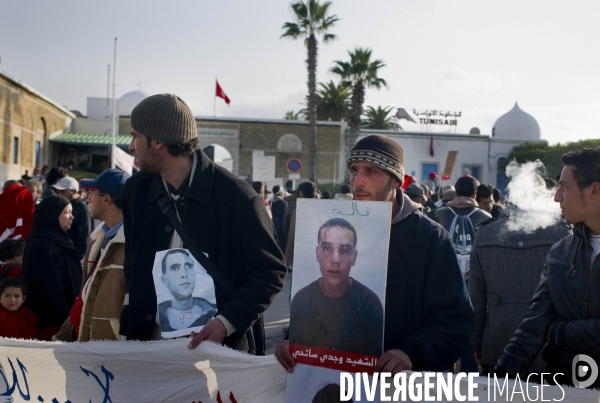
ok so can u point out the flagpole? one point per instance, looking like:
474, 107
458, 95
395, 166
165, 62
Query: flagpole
215, 99
114, 112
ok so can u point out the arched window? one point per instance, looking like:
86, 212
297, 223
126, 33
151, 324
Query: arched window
289, 143
219, 155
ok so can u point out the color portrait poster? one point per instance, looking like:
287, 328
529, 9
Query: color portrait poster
338, 289
185, 293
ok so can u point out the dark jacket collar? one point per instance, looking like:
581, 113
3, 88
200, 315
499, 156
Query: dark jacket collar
581, 230
201, 183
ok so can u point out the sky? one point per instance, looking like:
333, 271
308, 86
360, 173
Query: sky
475, 57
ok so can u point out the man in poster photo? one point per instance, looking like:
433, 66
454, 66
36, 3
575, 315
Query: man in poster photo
336, 311
184, 310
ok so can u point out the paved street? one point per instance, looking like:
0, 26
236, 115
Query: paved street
277, 317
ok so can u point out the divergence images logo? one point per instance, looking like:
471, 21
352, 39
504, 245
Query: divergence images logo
584, 370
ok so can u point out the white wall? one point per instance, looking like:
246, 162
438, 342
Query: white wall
91, 126
98, 108
11, 171
478, 150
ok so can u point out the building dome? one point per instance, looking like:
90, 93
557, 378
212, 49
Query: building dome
128, 101
517, 124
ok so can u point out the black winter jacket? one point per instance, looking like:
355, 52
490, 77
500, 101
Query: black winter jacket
229, 222
565, 310
428, 314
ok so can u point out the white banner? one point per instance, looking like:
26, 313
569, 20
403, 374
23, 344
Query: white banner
145, 372
124, 160
167, 371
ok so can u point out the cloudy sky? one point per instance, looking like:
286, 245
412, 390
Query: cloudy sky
470, 56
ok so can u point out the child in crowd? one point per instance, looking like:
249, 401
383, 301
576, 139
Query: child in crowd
16, 320
11, 253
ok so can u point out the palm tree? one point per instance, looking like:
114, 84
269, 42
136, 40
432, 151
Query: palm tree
311, 20
291, 115
380, 119
361, 73
333, 101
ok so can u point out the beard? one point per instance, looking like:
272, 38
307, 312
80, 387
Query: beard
383, 194
150, 162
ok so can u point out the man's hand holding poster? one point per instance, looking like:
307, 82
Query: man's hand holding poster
338, 292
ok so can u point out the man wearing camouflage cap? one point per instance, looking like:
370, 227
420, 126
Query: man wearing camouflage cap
428, 315
222, 215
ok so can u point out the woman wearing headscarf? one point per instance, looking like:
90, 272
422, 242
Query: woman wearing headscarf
51, 267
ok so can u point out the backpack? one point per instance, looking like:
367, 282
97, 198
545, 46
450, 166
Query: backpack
462, 232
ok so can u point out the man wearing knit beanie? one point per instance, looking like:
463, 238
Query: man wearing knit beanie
222, 216
428, 315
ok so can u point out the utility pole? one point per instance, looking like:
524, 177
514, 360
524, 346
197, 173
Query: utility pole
114, 112
108, 87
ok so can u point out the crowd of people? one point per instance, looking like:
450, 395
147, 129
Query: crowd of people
462, 286
58, 252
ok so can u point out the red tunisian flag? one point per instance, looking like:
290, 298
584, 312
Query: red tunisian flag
221, 94
16, 205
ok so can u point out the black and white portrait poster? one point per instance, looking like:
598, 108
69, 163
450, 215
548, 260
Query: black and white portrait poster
338, 287
185, 293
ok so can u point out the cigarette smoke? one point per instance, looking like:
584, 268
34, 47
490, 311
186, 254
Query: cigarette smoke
533, 205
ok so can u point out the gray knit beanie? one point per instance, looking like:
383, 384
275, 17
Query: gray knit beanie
382, 151
164, 118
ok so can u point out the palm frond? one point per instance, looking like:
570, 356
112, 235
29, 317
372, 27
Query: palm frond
377, 83
291, 30
328, 22
300, 115
342, 69
333, 101
310, 18
329, 37
380, 118
300, 10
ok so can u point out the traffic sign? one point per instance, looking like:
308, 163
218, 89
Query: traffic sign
294, 165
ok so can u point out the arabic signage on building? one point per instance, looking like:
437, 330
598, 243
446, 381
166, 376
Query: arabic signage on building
437, 117
218, 132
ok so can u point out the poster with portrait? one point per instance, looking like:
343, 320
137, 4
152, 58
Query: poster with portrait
338, 288
185, 293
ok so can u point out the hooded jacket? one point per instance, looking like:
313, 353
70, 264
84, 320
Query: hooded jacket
504, 273
428, 314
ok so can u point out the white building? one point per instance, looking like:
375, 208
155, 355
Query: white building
99, 112
480, 155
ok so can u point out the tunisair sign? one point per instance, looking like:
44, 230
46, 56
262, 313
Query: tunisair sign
439, 117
